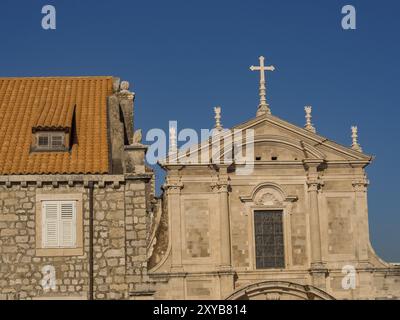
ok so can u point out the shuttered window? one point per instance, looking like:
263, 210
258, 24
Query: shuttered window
59, 224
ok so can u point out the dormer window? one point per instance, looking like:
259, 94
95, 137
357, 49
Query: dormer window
54, 131
49, 141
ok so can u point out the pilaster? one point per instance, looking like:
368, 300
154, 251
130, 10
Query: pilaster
173, 188
221, 187
318, 270
361, 207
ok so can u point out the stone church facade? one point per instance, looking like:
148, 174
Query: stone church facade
78, 206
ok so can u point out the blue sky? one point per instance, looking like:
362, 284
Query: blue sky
185, 57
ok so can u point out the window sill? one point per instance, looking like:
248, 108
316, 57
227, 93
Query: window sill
59, 252
44, 150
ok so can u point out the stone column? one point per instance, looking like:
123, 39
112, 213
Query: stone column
222, 187
364, 274
225, 267
315, 231
225, 227
360, 190
318, 270
173, 188
314, 184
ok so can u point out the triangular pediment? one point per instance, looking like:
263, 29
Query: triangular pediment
272, 130
280, 141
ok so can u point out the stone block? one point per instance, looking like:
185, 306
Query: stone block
114, 253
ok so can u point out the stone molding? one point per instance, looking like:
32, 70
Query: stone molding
72, 180
268, 186
275, 290
220, 186
360, 185
315, 184
173, 187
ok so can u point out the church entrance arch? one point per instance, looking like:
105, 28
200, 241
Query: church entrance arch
279, 290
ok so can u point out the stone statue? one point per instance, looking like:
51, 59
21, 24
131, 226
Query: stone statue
137, 137
124, 90
124, 86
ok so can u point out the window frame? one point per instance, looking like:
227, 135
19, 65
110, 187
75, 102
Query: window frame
286, 229
59, 222
254, 202
41, 137
47, 251
278, 211
50, 135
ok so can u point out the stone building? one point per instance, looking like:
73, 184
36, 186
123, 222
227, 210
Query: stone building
294, 227
73, 189
79, 218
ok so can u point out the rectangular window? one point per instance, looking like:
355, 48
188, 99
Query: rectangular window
56, 141
43, 141
59, 224
50, 141
268, 226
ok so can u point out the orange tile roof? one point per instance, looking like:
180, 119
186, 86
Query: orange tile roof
49, 102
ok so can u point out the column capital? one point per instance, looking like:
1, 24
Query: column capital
360, 185
220, 186
318, 267
314, 183
312, 163
173, 187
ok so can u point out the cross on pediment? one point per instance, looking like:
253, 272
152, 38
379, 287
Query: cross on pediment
263, 107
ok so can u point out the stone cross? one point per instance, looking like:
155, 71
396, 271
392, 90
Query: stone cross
217, 111
263, 107
354, 136
309, 126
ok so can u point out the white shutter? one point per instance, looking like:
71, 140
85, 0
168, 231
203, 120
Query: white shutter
50, 224
59, 224
67, 224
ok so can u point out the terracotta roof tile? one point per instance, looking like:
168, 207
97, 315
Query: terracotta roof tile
50, 102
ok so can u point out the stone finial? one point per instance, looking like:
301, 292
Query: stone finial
217, 117
172, 140
124, 86
124, 90
354, 136
309, 126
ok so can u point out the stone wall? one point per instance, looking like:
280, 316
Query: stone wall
119, 243
341, 208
